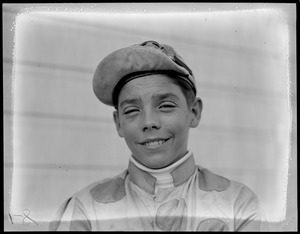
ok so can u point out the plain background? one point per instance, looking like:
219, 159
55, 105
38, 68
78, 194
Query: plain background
58, 137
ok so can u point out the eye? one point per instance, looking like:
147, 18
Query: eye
167, 106
130, 110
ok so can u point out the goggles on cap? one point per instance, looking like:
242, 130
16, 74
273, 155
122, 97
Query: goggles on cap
171, 54
175, 58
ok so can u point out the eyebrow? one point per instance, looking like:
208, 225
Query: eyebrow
166, 96
155, 97
129, 101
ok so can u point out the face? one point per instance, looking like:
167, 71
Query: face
154, 118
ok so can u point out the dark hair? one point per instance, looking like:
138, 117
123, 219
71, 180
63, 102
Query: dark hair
187, 89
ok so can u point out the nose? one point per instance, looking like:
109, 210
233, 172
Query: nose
150, 121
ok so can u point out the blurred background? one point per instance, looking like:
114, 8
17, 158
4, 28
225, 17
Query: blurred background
58, 137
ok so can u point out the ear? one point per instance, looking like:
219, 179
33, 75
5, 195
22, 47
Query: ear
117, 123
196, 111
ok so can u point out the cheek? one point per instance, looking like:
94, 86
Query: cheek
178, 125
179, 120
129, 130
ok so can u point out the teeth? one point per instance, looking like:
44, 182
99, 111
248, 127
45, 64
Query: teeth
154, 143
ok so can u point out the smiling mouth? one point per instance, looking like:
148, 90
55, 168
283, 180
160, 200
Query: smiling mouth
154, 142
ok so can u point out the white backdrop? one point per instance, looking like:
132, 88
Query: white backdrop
60, 138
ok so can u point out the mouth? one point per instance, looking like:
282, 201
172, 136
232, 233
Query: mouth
154, 142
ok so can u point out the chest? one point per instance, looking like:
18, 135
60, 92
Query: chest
169, 209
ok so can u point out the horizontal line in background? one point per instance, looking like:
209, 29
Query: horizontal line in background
97, 27
49, 65
257, 132
202, 85
242, 90
62, 166
208, 128
115, 168
184, 40
56, 116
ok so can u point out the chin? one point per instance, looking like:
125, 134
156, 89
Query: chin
157, 164
155, 161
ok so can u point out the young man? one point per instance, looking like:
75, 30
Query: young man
154, 94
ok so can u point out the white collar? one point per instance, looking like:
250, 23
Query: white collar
163, 176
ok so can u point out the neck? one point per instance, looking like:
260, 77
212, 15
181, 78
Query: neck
163, 176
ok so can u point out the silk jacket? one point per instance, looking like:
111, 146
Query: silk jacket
199, 201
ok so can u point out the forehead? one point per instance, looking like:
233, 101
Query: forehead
150, 85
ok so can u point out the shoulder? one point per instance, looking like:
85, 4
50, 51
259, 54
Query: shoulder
244, 194
238, 192
210, 181
78, 206
105, 191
